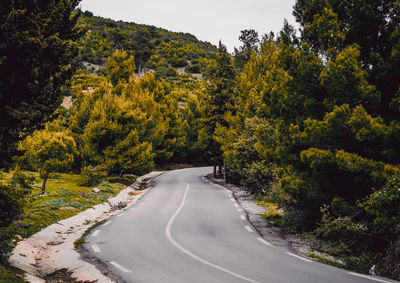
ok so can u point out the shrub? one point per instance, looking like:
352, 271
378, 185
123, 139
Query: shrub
91, 176
13, 196
181, 62
166, 72
258, 177
6, 245
390, 265
340, 228
193, 68
292, 220
383, 209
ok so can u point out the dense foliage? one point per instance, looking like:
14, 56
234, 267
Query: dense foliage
153, 48
316, 120
36, 50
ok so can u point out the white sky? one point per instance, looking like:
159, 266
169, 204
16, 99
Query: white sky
208, 20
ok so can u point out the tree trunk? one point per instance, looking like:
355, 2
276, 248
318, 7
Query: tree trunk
44, 183
224, 172
121, 173
220, 171
215, 171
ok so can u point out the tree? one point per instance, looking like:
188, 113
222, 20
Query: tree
120, 67
373, 25
36, 51
48, 151
114, 134
219, 101
250, 41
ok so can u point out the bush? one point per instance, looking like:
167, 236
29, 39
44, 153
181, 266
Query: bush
292, 220
92, 176
383, 209
361, 263
166, 72
390, 265
181, 62
13, 196
10, 206
194, 69
258, 177
340, 228
6, 245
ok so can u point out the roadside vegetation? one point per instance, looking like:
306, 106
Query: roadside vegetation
307, 122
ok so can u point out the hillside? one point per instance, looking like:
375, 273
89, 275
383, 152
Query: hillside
167, 53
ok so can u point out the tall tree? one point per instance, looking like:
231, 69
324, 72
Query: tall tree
220, 100
250, 41
36, 51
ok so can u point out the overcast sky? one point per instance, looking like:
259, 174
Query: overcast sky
208, 20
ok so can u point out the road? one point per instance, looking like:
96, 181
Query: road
186, 230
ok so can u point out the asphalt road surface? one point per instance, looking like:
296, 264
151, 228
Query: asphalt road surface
186, 230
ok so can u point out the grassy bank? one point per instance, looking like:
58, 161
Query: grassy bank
64, 198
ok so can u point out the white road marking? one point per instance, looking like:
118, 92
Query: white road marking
248, 228
236, 205
95, 248
120, 267
95, 233
108, 222
240, 210
242, 217
189, 253
299, 257
232, 199
368, 277
264, 242
121, 214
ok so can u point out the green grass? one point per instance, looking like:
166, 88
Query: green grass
326, 260
64, 198
272, 213
10, 275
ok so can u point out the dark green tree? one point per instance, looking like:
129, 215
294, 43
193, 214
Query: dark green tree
36, 50
250, 41
220, 100
374, 25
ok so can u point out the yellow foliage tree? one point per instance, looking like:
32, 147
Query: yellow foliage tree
47, 152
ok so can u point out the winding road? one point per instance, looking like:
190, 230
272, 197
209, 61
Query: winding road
187, 230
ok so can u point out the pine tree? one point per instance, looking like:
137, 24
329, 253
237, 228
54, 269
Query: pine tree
220, 100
